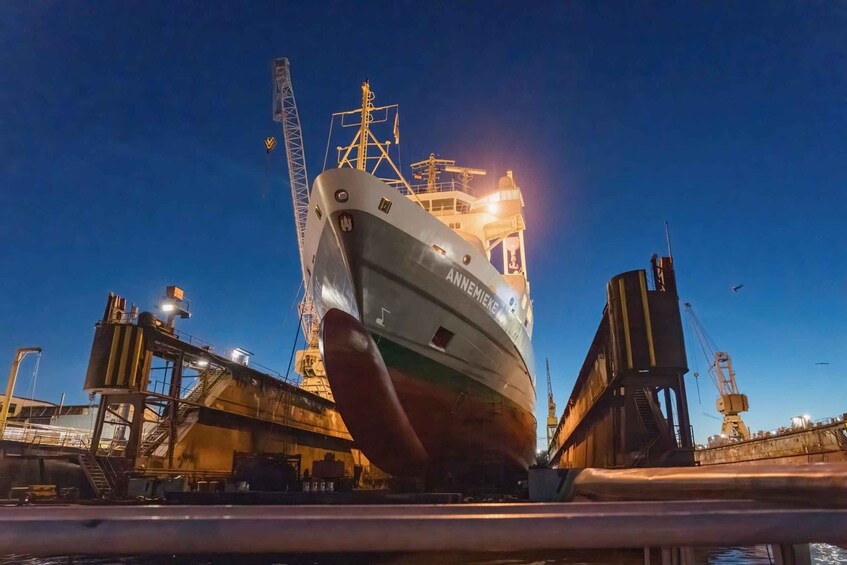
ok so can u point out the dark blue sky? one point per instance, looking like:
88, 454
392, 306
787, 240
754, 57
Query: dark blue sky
131, 158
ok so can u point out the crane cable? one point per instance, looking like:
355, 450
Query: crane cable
705, 341
270, 144
33, 379
688, 347
328, 139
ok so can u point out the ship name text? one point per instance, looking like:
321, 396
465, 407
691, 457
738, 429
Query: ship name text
474, 290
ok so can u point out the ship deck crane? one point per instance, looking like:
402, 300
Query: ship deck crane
731, 402
308, 362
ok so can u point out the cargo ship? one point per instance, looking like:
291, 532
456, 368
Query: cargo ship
425, 342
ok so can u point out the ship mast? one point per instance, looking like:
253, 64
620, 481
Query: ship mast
364, 139
364, 130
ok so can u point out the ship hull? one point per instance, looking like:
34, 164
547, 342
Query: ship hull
424, 365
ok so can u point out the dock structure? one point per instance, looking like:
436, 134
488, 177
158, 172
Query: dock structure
822, 442
628, 407
172, 403
172, 406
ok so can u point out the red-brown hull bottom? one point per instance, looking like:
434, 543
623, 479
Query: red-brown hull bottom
469, 435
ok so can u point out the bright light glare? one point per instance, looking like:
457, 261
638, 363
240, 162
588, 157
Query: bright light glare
493, 208
240, 356
203, 363
167, 307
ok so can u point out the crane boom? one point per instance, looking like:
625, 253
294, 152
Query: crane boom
308, 361
552, 423
285, 112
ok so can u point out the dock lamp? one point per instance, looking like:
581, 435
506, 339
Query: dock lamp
175, 304
240, 356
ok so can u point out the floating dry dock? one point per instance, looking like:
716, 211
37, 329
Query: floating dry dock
172, 407
818, 443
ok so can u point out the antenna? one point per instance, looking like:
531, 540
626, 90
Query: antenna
668, 238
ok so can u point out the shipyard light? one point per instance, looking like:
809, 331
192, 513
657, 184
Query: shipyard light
240, 356
174, 304
202, 362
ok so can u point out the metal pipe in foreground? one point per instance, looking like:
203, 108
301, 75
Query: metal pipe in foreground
822, 484
284, 529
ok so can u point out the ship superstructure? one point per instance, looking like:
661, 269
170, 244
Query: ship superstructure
493, 223
425, 342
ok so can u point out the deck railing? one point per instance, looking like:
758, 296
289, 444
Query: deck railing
42, 434
38, 435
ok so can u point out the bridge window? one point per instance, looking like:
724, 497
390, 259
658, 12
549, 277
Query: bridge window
443, 205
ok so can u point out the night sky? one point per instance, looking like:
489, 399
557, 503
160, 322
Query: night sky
131, 157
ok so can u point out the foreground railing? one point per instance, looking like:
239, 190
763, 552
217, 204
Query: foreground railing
415, 528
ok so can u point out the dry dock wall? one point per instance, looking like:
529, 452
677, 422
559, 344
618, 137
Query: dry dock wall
821, 444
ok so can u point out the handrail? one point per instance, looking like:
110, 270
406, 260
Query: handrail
45, 435
422, 189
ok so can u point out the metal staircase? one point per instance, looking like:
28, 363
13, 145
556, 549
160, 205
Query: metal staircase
646, 415
96, 477
205, 382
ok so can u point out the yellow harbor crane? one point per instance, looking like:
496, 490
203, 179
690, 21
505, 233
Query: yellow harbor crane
730, 401
552, 422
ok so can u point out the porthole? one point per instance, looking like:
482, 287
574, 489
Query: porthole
341, 195
466, 259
